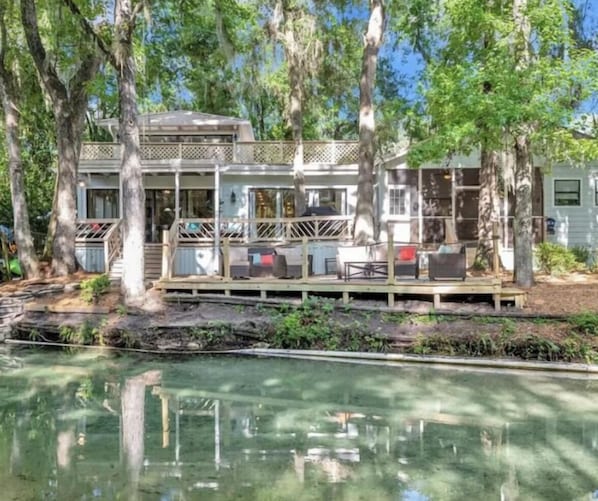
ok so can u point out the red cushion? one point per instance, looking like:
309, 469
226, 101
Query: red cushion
407, 253
267, 259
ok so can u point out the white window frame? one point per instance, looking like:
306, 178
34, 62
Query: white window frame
406, 203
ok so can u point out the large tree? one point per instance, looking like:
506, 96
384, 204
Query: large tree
68, 97
9, 93
364, 228
296, 29
121, 57
490, 87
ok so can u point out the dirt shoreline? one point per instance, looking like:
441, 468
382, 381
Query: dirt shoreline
199, 324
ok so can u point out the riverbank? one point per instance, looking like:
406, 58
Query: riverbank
194, 324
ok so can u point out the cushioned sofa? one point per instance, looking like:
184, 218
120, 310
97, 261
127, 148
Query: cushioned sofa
261, 261
448, 262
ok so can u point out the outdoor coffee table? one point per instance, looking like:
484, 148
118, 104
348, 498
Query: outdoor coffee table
365, 269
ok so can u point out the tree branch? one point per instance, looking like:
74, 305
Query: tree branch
48, 74
93, 34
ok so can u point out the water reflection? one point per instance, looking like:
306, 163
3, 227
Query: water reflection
91, 427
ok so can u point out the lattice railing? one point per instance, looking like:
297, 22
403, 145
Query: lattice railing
204, 151
100, 151
264, 230
261, 152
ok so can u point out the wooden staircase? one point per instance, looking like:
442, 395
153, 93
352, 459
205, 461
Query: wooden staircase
153, 264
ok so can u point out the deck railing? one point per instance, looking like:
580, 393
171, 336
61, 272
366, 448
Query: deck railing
258, 152
104, 232
266, 230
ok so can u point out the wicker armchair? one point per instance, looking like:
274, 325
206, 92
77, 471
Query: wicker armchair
448, 263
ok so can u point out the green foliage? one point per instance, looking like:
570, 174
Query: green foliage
582, 254
585, 323
556, 259
312, 326
93, 288
507, 344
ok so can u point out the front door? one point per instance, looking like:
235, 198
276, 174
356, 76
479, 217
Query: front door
399, 212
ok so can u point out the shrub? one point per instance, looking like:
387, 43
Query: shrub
585, 323
582, 254
93, 288
554, 258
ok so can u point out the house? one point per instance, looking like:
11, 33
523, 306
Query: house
209, 175
571, 206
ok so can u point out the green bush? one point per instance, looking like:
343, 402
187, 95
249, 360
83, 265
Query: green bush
582, 254
585, 323
555, 259
93, 288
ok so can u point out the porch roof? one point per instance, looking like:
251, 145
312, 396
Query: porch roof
186, 121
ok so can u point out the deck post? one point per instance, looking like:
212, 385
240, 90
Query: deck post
226, 259
390, 255
495, 244
305, 263
166, 254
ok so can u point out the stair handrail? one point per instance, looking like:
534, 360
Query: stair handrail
112, 244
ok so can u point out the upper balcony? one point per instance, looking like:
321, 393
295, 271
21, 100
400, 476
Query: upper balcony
191, 154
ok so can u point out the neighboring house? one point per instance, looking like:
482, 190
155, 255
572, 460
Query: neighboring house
571, 206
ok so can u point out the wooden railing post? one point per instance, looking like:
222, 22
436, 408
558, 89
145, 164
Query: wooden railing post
226, 258
166, 254
390, 255
495, 246
305, 263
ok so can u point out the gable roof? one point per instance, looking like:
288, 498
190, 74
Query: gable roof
187, 121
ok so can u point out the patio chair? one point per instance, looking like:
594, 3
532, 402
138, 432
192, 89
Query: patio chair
288, 262
406, 259
448, 263
238, 262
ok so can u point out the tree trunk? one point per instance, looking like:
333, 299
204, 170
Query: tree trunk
65, 208
133, 286
296, 99
522, 231
488, 206
364, 213
69, 104
22, 230
522, 225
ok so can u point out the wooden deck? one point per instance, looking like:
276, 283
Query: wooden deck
322, 284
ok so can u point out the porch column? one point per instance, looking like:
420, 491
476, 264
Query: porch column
217, 219
453, 201
120, 196
420, 207
177, 196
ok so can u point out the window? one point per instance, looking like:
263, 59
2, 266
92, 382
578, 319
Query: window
567, 192
398, 201
102, 204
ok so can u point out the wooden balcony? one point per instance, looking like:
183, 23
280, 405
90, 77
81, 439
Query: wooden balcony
261, 152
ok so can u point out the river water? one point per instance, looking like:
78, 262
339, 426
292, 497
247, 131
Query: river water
87, 426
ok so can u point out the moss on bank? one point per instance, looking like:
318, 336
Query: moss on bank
324, 325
